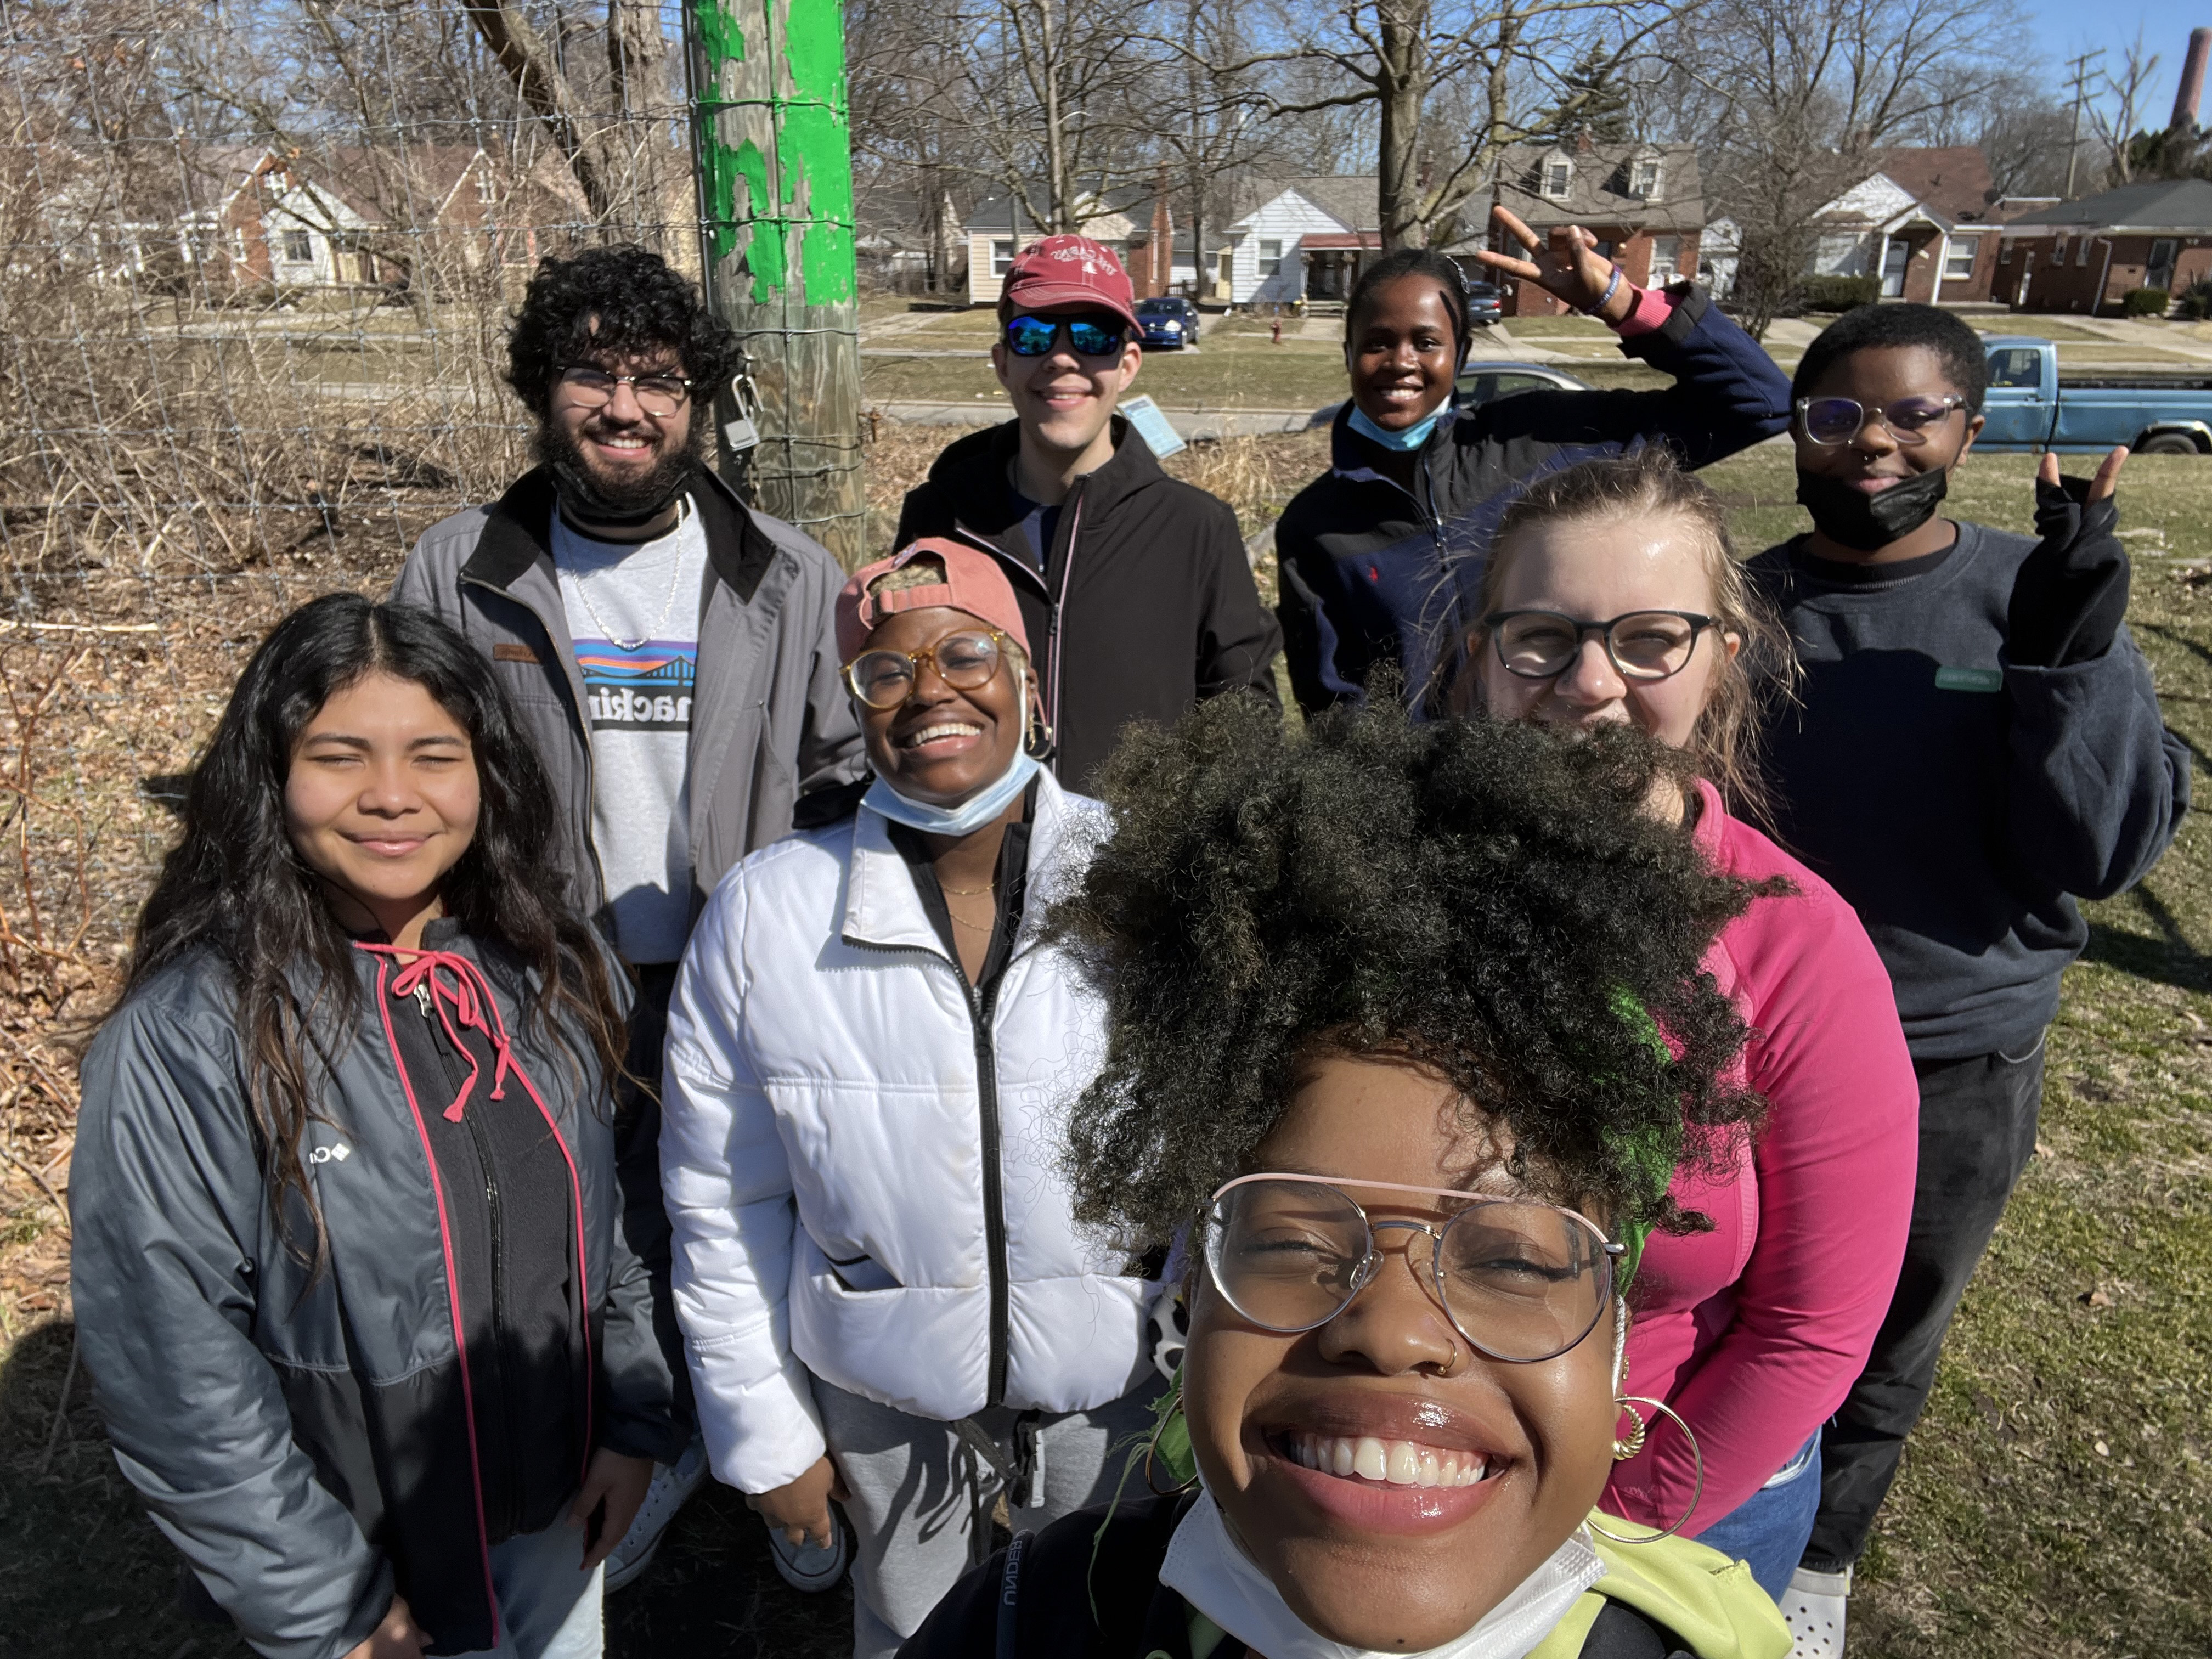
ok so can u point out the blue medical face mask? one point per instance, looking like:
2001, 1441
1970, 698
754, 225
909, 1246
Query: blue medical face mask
971, 815
1410, 439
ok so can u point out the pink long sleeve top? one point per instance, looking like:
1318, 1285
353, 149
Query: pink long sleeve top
1755, 1331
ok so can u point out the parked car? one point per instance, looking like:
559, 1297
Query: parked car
1168, 321
1486, 304
1480, 383
2032, 404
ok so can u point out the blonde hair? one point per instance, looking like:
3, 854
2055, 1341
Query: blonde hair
1646, 484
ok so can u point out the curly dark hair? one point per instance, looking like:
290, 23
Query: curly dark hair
1487, 900
616, 300
1957, 347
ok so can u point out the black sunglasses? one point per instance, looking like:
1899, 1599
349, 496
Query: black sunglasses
1095, 336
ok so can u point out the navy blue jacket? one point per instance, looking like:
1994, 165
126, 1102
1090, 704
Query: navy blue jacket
1372, 574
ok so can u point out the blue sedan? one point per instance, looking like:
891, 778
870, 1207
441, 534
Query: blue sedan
1170, 321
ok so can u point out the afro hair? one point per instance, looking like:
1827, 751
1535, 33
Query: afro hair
1490, 901
618, 301
1957, 347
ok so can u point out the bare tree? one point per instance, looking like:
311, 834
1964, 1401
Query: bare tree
1796, 97
2118, 116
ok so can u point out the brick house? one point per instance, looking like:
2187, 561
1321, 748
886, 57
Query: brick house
1924, 222
1644, 203
2084, 256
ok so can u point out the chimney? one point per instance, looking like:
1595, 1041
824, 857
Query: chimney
2191, 89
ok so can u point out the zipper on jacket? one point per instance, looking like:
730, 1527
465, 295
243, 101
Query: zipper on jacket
584, 715
980, 1005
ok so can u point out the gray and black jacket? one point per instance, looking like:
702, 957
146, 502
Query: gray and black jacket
314, 1442
770, 720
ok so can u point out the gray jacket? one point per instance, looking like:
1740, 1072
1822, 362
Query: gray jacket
305, 1439
769, 718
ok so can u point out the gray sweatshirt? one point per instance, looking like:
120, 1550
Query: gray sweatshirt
1960, 801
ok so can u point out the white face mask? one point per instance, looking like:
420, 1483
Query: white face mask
1204, 1567
971, 815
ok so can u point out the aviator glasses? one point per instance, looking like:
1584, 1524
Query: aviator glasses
1521, 1280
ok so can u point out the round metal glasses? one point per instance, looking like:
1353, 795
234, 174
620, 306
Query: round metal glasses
965, 662
657, 395
1521, 1281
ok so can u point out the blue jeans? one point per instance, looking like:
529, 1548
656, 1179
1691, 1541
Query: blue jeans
547, 1609
1769, 1528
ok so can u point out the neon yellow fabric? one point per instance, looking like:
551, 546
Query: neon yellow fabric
1708, 1601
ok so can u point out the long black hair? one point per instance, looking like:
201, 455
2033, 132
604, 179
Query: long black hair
234, 885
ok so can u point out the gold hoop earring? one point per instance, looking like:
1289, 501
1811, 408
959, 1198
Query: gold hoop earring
1624, 1449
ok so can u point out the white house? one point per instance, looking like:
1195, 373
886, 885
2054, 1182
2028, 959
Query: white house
1297, 239
998, 228
1922, 224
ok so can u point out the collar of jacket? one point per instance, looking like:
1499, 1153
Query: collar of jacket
1351, 457
884, 908
518, 531
973, 473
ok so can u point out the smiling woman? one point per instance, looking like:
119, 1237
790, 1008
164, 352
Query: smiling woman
360, 1046
1383, 1052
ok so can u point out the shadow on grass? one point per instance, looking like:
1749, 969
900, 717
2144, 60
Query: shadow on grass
84, 1575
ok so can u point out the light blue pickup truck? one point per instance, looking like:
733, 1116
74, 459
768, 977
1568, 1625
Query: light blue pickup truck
2033, 406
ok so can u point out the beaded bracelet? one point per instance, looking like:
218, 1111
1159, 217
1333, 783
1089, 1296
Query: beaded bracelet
1605, 299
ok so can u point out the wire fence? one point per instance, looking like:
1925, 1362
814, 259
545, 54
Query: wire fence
256, 259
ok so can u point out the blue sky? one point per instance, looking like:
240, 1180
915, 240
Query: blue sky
2060, 29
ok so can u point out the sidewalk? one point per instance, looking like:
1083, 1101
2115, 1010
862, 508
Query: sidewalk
1191, 423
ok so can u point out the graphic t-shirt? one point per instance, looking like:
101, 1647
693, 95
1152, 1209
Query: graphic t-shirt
634, 614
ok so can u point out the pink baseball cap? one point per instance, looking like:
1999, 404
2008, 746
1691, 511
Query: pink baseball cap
973, 582
1067, 271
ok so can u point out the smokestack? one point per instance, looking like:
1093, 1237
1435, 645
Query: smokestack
2192, 79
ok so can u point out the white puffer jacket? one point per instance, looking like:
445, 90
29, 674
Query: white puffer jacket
823, 1107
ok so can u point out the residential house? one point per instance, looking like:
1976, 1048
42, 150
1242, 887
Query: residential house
1293, 239
1644, 203
1924, 222
999, 227
2084, 256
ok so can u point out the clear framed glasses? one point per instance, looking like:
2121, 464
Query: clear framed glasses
964, 662
1520, 1280
657, 395
1840, 419
1641, 645
1092, 336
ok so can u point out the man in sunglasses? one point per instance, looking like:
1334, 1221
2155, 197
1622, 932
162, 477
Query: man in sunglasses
672, 654
1978, 743
1134, 585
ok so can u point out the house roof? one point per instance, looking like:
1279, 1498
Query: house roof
1353, 238
1954, 180
1598, 193
1354, 200
2165, 204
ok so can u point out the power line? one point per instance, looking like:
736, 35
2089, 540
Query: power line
2081, 83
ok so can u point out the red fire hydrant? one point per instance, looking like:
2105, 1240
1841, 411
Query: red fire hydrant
1275, 328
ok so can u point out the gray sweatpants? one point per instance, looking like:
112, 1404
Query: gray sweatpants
917, 1492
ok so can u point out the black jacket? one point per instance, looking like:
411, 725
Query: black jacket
1374, 576
312, 1442
1143, 605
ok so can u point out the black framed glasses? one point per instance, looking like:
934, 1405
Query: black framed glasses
1840, 419
1522, 1281
965, 662
1641, 645
657, 395
1093, 335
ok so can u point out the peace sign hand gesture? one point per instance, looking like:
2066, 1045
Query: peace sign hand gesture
1570, 267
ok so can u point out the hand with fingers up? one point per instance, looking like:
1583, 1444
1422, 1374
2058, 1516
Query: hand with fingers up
2071, 593
1567, 265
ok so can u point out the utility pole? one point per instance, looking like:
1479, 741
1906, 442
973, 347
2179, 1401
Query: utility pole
772, 147
2080, 68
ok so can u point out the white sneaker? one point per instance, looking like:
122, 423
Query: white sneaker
671, 1485
809, 1567
1814, 1605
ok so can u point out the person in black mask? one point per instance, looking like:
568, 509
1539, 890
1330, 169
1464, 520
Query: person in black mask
672, 652
1977, 745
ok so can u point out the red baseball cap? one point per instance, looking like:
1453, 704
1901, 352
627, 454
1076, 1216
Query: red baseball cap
973, 582
1067, 271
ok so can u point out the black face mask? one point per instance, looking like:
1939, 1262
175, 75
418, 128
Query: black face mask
634, 505
1871, 523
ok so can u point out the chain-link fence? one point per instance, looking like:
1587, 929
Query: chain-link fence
256, 258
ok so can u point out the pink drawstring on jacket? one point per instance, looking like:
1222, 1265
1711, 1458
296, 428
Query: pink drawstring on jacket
464, 1002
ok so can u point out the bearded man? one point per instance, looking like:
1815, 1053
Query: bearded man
671, 652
